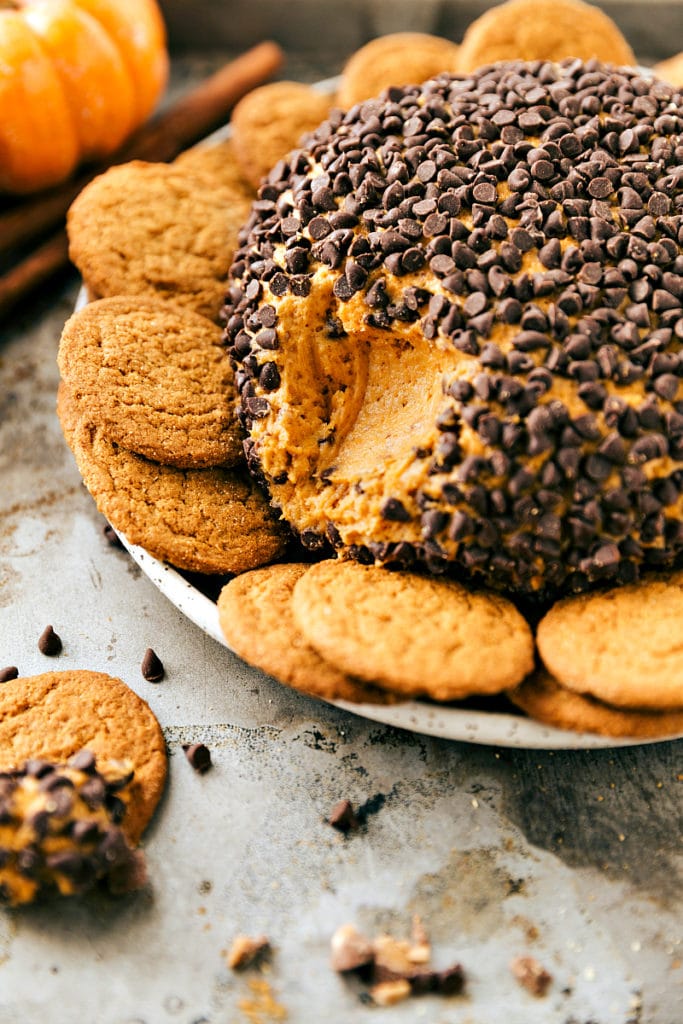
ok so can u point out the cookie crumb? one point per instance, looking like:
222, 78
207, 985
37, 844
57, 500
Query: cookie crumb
387, 993
531, 975
50, 643
199, 756
350, 950
343, 817
152, 667
10, 672
245, 950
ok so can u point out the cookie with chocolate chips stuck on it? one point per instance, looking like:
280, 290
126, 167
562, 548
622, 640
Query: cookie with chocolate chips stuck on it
622, 646
543, 30
82, 768
456, 323
411, 634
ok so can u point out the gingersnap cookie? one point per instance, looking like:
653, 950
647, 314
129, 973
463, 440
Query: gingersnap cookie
156, 230
155, 378
413, 634
671, 70
464, 354
545, 700
621, 646
218, 162
400, 58
270, 121
204, 520
543, 30
53, 716
255, 614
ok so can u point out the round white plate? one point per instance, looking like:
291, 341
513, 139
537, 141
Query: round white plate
446, 722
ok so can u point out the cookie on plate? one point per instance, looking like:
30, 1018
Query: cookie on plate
543, 30
545, 700
400, 58
205, 520
255, 614
158, 230
218, 162
671, 70
415, 635
82, 768
622, 646
269, 122
155, 378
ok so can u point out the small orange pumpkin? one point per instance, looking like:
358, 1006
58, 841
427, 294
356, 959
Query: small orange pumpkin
76, 78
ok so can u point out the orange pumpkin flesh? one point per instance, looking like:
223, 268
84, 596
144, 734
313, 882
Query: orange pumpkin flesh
76, 78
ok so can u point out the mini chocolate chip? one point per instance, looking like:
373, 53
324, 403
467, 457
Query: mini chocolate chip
395, 511
83, 761
112, 537
199, 756
49, 643
152, 669
343, 817
6, 674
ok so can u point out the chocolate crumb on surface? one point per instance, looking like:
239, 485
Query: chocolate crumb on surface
112, 537
510, 242
343, 817
531, 975
10, 672
199, 756
152, 667
49, 642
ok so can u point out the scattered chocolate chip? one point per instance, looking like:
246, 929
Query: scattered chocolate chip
343, 817
152, 668
112, 537
199, 756
6, 674
49, 643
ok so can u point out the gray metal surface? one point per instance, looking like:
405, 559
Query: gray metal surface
572, 857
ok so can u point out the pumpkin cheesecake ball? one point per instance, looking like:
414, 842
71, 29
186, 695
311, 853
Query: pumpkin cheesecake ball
457, 327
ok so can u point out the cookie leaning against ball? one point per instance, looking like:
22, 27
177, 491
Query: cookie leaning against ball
269, 122
456, 324
395, 59
415, 635
157, 230
255, 615
82, 768
543, 30
155, 378
205, 520
622, 646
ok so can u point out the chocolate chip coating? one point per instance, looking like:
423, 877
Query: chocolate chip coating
507, 260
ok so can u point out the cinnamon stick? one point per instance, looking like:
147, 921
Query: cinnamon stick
33, 270
193, 116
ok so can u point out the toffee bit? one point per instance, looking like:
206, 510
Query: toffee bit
152, 668
246, 950
10, 672
388, 993
531, 975
49, 643
342, 817
351, 951
199, 756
